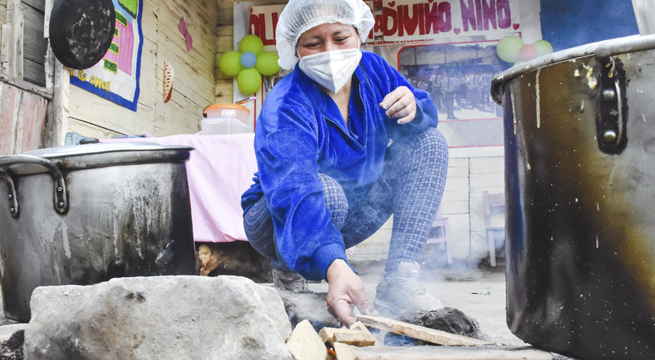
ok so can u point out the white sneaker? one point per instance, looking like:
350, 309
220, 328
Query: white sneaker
402, 290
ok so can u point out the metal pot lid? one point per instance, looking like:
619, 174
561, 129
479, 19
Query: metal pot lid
600, 50
111, 154
81, 31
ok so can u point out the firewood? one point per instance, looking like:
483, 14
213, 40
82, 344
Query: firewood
345, 351
452, 353
418, 332
356, 335
353, 337
305, 344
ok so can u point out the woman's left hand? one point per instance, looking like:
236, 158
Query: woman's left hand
400, 103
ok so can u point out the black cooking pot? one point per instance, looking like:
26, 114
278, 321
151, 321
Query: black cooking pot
88, 213
81, 31
580, 188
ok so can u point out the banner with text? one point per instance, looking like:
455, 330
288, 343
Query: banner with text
416, 20
116, 76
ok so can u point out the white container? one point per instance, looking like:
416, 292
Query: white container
224, 125
225, 119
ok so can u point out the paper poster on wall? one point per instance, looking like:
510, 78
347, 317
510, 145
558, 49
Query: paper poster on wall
116, 76
458, 76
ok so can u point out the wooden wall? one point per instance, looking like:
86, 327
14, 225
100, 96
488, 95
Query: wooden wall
35, 45
193, 87
22, 119
224, 43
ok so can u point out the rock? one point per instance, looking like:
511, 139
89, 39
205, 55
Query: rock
305, 344
12, 348
168, 317
308, 306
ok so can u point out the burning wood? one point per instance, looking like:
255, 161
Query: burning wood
419, 332
357, 343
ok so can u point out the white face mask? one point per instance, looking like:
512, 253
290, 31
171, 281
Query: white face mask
331, 69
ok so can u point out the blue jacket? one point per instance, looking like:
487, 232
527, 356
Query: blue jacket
301, 132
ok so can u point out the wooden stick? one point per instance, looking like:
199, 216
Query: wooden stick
418, 332
452, 353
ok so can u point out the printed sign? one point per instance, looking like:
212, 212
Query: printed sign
429, 19
416, 20
116, 76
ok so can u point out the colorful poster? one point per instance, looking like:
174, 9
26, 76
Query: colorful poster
116, 76
417, 20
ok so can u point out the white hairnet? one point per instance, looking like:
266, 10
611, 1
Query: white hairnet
301, 15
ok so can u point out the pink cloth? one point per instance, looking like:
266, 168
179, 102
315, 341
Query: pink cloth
219, 170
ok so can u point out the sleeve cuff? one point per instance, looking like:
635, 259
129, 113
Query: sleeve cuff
418, 119
324, 256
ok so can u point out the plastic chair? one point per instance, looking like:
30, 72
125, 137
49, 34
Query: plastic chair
493, 203
440, 233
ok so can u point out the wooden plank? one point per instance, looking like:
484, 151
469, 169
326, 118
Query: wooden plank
452, 353
201, 58
304, 343
345, 351
25, 86
57, 124
202, 28
36, 4
47, 9
17, 20
33, 73
357, 335
96, 110
36, 45
32, 113
418, 332
8, 112
90, 130
224, 91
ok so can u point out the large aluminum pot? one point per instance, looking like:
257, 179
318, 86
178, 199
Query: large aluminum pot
580, 184
84, 214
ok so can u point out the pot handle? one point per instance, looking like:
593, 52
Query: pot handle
25, 164
13, 201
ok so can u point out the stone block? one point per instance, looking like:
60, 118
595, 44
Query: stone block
167, 317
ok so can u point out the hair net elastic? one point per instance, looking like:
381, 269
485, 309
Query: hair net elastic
301, 15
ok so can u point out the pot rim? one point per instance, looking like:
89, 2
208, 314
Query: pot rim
75, 157
600, 49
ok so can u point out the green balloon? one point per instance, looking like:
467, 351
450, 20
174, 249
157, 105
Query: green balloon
251, 43
249, 81
230, 63
543, 47
508, 48
267, 63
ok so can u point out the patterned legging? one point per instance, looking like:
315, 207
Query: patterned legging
410, 188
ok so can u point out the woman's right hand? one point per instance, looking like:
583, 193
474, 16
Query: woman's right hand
345, 292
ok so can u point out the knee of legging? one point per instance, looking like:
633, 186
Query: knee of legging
335, 200
431, 147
